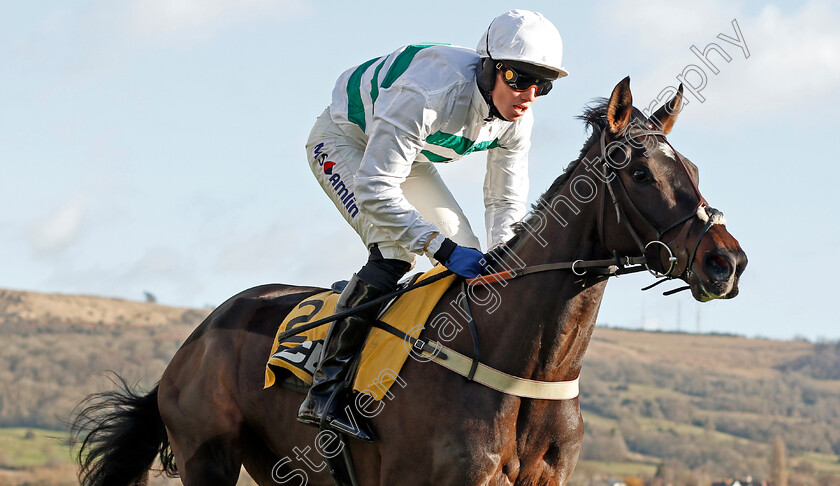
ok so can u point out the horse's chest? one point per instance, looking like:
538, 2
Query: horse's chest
480, 437
497, 456
540, 446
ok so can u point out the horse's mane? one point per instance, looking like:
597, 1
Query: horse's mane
595, 117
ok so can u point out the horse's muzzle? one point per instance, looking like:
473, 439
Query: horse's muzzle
716, 274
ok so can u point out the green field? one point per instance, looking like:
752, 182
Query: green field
823, 463
703, 406
616, 469
39, 456
24, 447
820, 462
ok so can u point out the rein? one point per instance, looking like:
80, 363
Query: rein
472, 368
624, 265
353, 310
609, 267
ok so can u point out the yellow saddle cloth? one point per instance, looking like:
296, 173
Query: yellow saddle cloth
384, 353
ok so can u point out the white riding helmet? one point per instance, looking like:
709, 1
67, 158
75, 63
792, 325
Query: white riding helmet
525, 37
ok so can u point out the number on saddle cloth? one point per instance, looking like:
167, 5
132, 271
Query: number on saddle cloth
384, 353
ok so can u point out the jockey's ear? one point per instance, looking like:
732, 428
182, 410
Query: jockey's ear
666, 115
620, 107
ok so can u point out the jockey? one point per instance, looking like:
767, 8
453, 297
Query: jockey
372, 150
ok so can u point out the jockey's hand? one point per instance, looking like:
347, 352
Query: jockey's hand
464, 261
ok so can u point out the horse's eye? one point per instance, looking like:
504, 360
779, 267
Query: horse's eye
641, 175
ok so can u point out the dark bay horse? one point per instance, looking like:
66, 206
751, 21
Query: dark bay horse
628, 194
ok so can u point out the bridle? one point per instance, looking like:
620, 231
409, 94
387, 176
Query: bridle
610, 267
616, 189
624, 205
471, 367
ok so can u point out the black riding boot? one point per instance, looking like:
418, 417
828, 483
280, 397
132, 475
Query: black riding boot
327, 397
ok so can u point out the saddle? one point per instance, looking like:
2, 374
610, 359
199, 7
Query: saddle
395, 335
388, 345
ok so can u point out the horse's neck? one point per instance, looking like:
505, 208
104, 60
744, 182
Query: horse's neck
552, 314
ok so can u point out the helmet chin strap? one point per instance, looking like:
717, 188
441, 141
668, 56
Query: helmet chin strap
494, 112
486, 78
486, 81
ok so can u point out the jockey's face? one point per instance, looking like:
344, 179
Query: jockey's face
512, 104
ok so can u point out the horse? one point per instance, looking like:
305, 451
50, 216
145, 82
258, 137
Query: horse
628, 197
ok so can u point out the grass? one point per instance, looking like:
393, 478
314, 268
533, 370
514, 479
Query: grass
616, 469
650, 392
27, 447
38, 456
824, 463
826, 385
592, 419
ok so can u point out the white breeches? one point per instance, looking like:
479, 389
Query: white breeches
336, 161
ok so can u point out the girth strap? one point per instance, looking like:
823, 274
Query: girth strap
501, 381
473, 370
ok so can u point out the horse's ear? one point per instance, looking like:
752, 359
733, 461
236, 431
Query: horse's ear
620, 107
666, 115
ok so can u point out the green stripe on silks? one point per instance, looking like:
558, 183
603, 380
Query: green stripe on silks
460, 145
374, 84
433, 157
402, 62
355, 107
485, 145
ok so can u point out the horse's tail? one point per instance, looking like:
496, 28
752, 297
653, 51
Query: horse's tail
122, 434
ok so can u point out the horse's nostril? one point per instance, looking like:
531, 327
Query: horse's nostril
717, 267
741, 264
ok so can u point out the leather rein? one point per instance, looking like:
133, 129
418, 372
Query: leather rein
620, 265
474, 370
471, 367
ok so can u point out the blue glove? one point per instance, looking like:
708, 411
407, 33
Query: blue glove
464, 261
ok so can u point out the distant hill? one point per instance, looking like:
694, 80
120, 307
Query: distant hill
711, 405
712, 354
686, 407
35, 308
56, 349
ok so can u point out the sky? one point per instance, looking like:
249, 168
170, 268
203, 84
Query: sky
156, 146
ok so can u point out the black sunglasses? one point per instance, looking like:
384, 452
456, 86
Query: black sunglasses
521, 82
